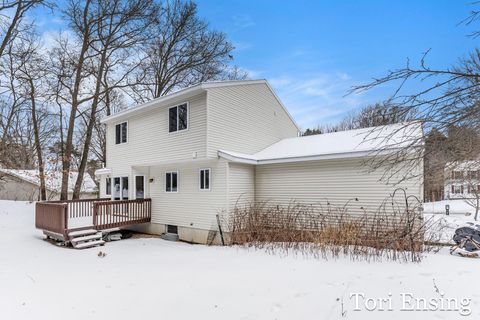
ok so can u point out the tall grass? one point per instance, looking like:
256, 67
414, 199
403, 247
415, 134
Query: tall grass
393, 232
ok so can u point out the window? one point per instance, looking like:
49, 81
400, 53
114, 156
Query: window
171, 182
473, 175
121, 133
172, 229
205, 179
457, 189
457, 175
178, 118
120, 186
139, 187
108, 186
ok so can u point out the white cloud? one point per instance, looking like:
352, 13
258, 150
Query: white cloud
317, 99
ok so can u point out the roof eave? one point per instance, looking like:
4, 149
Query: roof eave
331, 156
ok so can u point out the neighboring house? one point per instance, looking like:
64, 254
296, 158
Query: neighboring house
203, 150
25, 185
462, 179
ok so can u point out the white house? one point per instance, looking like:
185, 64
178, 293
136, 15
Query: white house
462, 179
202, 150
25, 185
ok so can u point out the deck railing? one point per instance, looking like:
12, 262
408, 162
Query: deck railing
54, 216
112, 214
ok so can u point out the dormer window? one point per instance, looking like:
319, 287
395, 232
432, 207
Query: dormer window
121, 133
178, 118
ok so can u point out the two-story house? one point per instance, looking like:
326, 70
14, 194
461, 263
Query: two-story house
462, 179
203, 150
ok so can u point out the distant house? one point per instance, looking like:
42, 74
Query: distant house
25, 185
462, 179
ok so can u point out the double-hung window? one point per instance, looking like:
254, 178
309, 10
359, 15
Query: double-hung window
178, 118
204, 179
121, 133
171, 181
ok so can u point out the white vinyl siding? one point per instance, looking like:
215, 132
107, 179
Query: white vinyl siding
149, 141
241, 185
333, 182
246, 119
189, 207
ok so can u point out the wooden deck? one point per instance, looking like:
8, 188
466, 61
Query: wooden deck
63, 217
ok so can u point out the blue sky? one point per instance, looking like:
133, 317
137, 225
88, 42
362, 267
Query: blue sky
312, 52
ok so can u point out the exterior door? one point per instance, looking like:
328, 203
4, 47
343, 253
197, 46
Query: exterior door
139, 187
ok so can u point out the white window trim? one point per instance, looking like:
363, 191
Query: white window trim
178, 180
115, 133
168, 118
209, 179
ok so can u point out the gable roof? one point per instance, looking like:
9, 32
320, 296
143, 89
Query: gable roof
335, 145
189, 92
53, 179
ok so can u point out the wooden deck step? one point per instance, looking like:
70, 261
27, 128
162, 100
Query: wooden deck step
87, 238
89, 244
80, 233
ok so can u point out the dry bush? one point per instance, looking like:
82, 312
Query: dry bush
396, 231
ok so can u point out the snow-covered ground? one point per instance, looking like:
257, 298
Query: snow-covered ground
150, 278
460, 215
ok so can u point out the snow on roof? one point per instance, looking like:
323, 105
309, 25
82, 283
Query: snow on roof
53, 179
335, 145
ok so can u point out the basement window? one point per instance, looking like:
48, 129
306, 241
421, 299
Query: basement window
171, 181
121, 133
204, 179
178, 118
172, 229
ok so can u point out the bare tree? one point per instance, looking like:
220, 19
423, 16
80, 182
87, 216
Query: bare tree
183, 51
120, 26
374, 115
442, 98
10, 27
31, 70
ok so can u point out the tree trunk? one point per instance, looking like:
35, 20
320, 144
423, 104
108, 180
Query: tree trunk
66, 160
477, 207
91, 123
38, 146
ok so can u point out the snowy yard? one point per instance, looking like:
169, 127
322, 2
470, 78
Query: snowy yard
150, 278
460, 215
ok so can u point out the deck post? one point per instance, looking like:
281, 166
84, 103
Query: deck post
94, 214
65, 220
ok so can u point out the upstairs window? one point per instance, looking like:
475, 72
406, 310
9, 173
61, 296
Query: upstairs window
457, 175
473, 175
178, 118
171, 182
205, 179
121, 133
